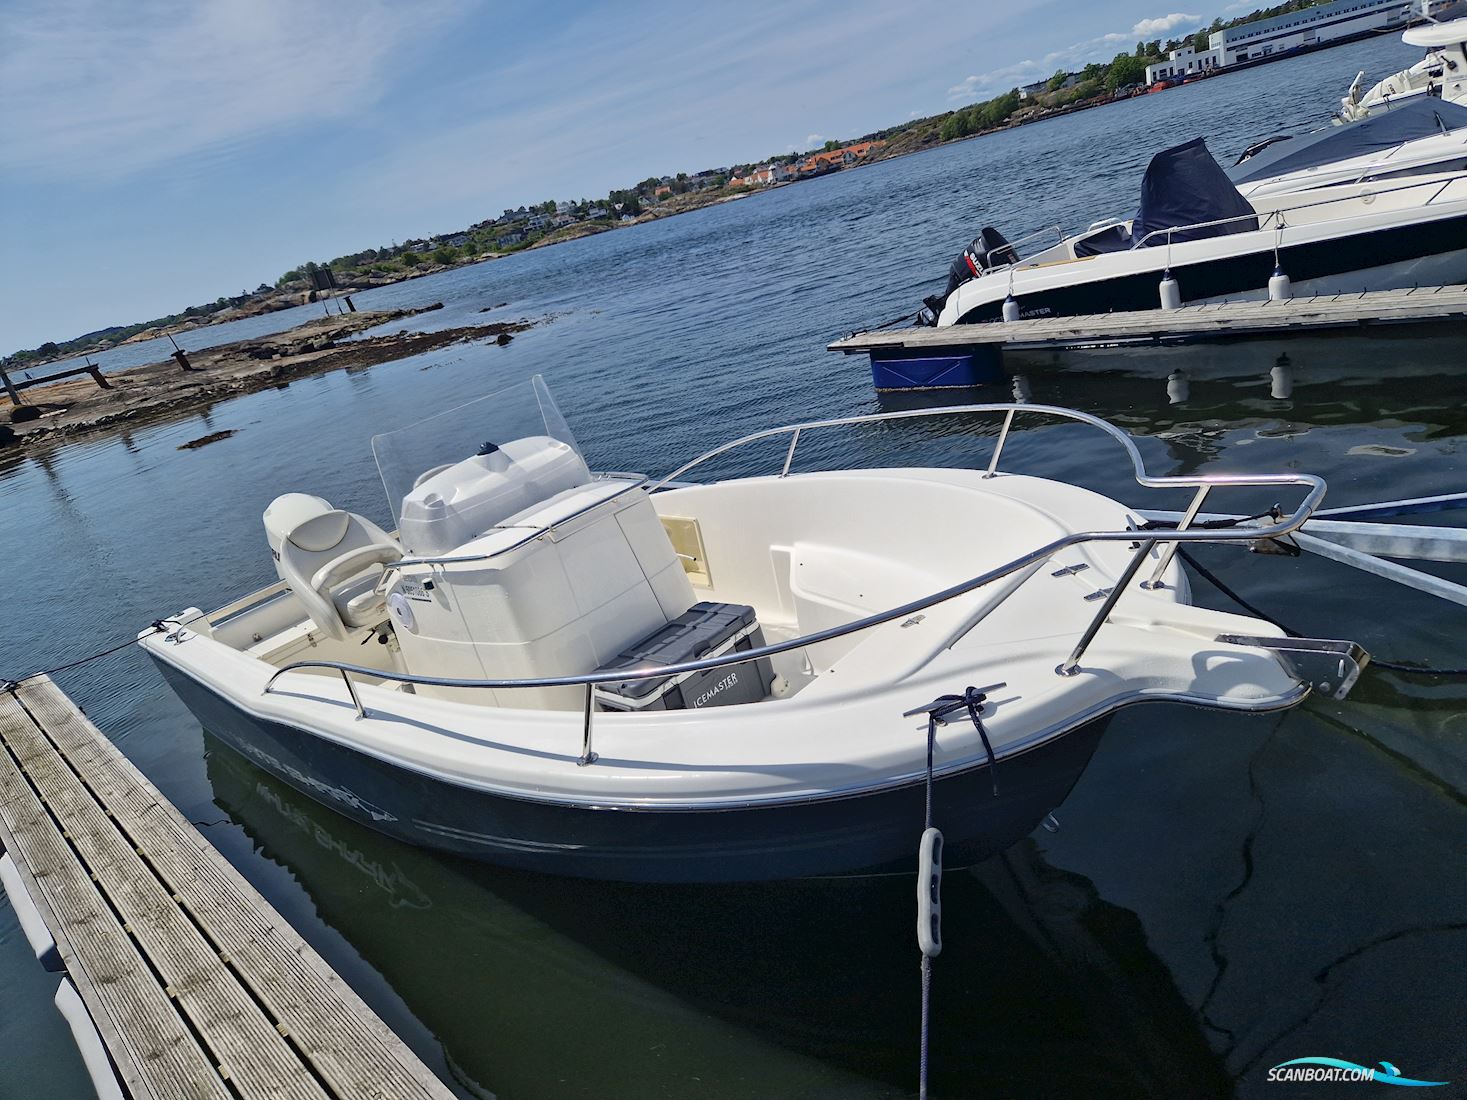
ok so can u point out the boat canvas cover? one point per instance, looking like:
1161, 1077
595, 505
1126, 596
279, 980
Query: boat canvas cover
1422, 116
1185, 186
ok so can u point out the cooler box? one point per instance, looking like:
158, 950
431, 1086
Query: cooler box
704, 630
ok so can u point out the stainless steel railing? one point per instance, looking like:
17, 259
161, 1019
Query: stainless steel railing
1314, 486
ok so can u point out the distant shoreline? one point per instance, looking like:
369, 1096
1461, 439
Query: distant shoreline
63, 412
685, 204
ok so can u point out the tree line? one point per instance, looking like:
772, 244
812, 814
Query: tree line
1126, 69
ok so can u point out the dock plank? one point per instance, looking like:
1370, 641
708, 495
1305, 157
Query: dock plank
324, 1021
1222, 319
162, 1058
244, 1043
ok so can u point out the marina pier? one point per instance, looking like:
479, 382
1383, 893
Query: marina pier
192, 983
966, 355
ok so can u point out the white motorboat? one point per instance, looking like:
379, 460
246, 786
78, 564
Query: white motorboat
603, 676
1197, 239
1441, 74
1417, 141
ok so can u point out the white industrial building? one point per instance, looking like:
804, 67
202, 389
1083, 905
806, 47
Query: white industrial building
1263, 37
1184, 62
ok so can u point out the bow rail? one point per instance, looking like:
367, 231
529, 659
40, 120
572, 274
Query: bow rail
1202, 484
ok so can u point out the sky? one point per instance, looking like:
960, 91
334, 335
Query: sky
157, 154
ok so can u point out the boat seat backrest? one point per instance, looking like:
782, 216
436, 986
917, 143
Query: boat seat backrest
331, 561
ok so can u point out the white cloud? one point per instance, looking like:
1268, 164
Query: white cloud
1070, 59
1165, 24
814, 139
101, 89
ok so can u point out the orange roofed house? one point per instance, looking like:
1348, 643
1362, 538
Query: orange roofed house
818, 162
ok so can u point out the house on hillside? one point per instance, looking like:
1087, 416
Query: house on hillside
755, 177
860, 150
510, 239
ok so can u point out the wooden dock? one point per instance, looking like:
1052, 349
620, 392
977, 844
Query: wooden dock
197, 986
1220, 321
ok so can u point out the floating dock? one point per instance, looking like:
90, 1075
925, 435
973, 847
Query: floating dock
195, 986
968, 355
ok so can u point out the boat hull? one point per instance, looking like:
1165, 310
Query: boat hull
871, 833
1422, 254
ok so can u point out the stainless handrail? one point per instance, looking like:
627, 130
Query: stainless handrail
1315, 485
1012, 246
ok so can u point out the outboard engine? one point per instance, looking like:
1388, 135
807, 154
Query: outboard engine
985, 252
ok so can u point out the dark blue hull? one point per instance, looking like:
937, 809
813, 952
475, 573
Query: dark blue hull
873, 833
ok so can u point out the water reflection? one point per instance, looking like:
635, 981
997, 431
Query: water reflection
1322, 380
544, 987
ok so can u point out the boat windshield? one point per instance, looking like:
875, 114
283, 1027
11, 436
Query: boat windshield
410, 456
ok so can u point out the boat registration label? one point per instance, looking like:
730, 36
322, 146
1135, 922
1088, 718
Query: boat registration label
414, 590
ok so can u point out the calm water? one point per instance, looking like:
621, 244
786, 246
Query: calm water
1224, 894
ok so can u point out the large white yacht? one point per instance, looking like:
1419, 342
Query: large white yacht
1441, 74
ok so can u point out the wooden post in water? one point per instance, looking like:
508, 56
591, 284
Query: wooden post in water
10, 387
179, 354
96, 372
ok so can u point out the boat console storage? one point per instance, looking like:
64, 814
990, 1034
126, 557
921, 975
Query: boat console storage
519, 564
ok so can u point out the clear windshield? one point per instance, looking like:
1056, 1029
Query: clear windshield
408, 457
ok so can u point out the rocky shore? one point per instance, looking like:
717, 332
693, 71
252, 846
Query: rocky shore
77, 407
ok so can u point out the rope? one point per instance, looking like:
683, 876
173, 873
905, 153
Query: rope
159, 625
1290, 548
884, 324
943, 707
972, 701
1273, 513
926, 1012
927, 959
1376, 662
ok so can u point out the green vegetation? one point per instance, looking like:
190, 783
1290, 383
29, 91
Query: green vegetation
987, 115
1126, 69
